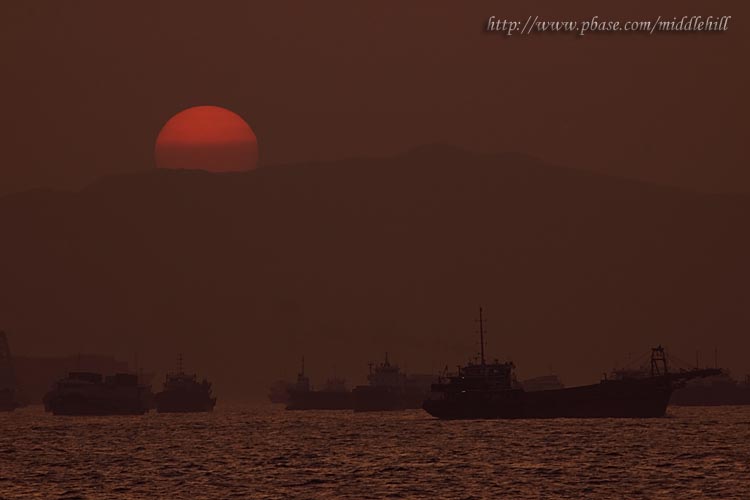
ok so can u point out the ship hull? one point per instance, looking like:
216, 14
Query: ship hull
646, 398
368, 398
167, 402
320, 400
97, 401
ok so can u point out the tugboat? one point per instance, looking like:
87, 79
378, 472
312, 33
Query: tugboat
87, 393
184, 394
333, 396
388, 390
8, 394
489, 390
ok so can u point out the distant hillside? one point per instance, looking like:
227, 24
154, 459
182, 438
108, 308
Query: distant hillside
245, 273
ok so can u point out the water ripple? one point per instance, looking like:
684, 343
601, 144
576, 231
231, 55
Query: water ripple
264, 452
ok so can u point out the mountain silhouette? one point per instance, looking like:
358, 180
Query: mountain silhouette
341, 261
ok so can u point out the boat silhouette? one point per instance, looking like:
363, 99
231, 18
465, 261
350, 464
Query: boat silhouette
488, 390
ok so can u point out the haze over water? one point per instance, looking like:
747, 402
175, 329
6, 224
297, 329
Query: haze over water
266, 452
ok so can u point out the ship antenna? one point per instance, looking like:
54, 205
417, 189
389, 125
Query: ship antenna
481, 335
179, 363
303, 366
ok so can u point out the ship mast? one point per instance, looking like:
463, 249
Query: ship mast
658, 362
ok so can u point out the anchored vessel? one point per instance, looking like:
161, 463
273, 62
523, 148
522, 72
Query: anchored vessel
88, 393
388, 389
183, 393
488, 390
333, 396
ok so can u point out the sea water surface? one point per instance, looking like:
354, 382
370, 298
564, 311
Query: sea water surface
266, 452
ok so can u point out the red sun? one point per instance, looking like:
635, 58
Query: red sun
207, 138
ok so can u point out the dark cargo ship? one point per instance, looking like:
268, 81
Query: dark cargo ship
488, 390
333, 396
389, 389
183, 393
87, 393
721, 390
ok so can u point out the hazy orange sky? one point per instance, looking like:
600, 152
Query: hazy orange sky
244, 273
88, 84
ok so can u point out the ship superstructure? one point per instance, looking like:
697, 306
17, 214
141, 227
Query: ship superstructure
183, 393
388, 389
89, 393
